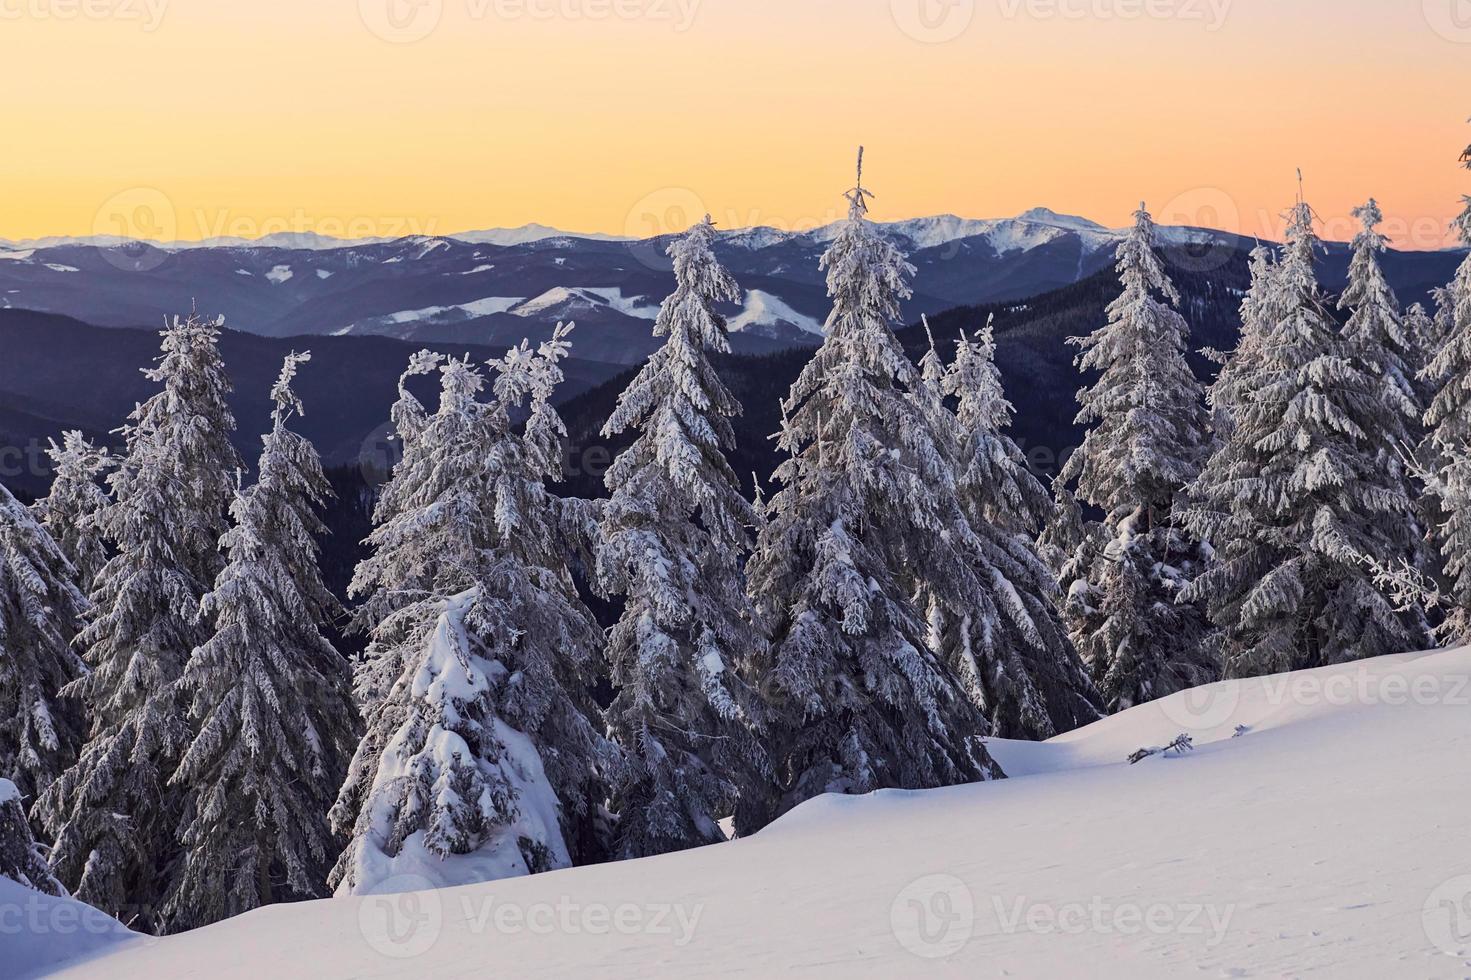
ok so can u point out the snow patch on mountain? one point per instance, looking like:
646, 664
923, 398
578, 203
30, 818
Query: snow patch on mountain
280, 274
569, 298
762, 309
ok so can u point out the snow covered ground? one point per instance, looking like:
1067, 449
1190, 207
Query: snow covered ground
1331, 837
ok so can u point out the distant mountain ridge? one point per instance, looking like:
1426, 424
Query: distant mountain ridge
495, 287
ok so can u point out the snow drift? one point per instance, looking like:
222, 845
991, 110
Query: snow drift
1319, 828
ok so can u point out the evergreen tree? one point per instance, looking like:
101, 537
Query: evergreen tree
378, 666
673, 535
21, 859
1239, 369
269, 697
1147, 442
1447, 452
40, 612
1296, 502
482, 760
1007, 643
75, 496
113, 815
868, 513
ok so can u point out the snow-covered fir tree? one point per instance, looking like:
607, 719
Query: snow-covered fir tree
482, 760
76, 495
552, 644
269, 697
672, 538
868, 513
1447, 451
1147, 441
1296, 502
378, 666
40, 613
1007, 643
113, 816
21, 859
1239, 368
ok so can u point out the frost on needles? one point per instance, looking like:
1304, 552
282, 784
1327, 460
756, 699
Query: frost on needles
1147, 441
867, 514
40, 607
674, 535
1005, 640
113, 815
483, 758
1297, 500
268, 695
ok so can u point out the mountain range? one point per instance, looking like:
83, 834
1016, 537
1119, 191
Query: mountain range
495, 287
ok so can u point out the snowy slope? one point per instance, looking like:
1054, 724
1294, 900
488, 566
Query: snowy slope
1328, 840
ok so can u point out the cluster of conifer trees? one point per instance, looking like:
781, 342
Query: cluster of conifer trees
194, 746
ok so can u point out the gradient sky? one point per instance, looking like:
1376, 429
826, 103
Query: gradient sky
192, 118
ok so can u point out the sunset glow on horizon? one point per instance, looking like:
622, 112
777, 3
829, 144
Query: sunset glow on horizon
195, 118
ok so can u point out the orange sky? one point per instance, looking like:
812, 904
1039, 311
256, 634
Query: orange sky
192, 118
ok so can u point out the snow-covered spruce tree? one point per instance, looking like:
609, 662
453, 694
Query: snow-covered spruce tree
1381, 339
1007, 643
673, 537
553, 647
1239, 368
113, 815
378, 666
269, 696
1148, 440
1296, 503
1447, 451
857, 699
481, 761
40, 613
76, 494
21, 860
